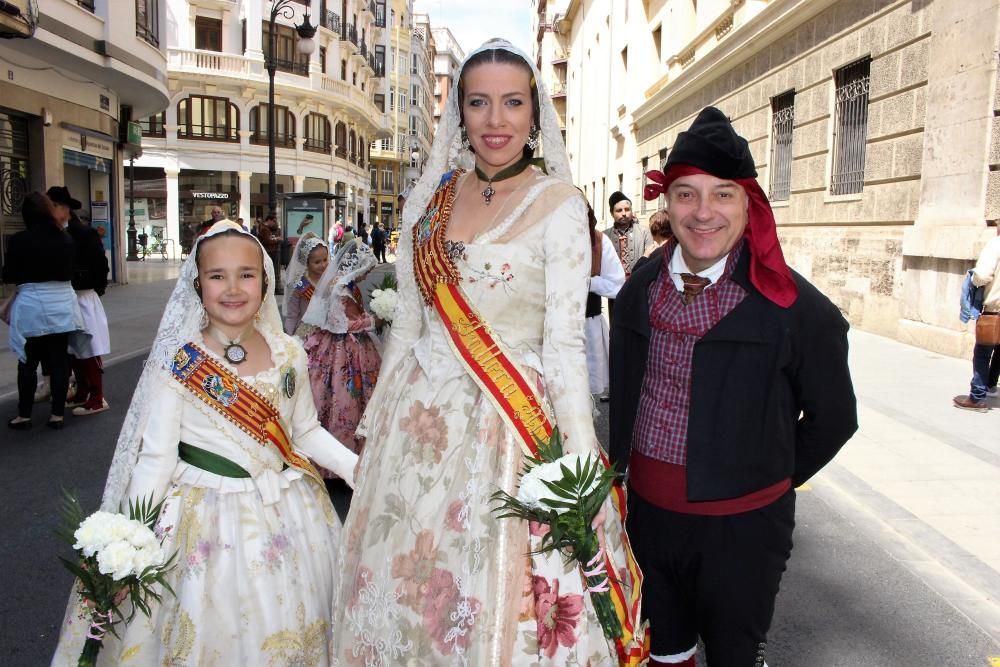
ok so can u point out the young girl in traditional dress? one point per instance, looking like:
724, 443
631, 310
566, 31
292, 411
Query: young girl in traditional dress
343, 351
309, 261
253, 527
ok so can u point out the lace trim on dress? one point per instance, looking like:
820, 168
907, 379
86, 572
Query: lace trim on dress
497, 231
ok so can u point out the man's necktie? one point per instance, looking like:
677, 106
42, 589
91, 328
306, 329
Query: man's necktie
693, 286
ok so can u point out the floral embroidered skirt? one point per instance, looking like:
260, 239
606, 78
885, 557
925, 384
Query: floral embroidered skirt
253, 583
343, 369
429, 575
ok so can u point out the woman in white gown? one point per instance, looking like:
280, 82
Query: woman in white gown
430, 575
255, 533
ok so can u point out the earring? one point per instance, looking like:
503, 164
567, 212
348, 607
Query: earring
533, 137
197, 286
466, 144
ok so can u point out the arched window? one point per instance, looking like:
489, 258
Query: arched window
340, 137
352, 143
362, 149
284, 126
208, 118
317, 133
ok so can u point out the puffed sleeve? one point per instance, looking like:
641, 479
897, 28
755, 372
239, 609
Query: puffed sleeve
564, 358
294, 314
158, 456
309, 437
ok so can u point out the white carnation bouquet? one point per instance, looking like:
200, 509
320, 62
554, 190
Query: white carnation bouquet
565, 493
383, 303
119, 558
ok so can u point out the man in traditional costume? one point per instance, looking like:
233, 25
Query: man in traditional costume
729, 387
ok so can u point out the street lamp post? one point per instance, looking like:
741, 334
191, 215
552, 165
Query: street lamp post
132, 255
306, 46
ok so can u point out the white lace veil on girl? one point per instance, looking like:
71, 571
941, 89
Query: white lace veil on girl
299, 263
183, 319
352, 261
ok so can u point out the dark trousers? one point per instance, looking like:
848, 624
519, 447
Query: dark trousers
51, 351
985, 370
714, 577
89, 381
379, 250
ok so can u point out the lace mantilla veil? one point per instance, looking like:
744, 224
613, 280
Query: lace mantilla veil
448, 153
299, 263
183, 319
326, 310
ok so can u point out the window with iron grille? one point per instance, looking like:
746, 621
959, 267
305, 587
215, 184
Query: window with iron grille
153, 126
340, 138
373, 172
14, 163
782, 119
645, 168
322, 59
387, 180
317, 133
352, 145
284, 126
147, 21
209, 118
287, 55
850, 127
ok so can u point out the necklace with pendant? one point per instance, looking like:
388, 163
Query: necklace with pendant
502, 175
233, 351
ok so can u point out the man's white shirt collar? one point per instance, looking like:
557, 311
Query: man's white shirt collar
679, 266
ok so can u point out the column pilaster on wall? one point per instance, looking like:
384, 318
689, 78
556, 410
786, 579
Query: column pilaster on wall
255, 32
245, 197
173, 209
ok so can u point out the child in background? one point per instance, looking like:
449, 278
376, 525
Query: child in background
304, 271
344, 356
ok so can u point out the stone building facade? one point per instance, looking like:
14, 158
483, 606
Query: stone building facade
874, 125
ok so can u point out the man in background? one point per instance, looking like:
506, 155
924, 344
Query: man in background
985, 357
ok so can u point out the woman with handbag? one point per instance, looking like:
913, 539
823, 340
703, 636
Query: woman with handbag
986, 354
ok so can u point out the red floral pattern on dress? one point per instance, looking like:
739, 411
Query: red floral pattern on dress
456, 515
557, 616
447, 615
415, 568
429, 431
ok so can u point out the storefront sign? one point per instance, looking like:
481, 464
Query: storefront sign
210, 195
88, 144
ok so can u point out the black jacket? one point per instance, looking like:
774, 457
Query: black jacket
90, 269
39, 254
771, 393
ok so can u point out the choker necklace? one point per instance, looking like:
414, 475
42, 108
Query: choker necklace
233, 351
502, 175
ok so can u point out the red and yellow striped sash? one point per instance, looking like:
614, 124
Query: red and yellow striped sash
486, 361
305, 288
237, 401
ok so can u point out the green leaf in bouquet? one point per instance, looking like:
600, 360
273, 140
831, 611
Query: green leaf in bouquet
144, 511
72, 517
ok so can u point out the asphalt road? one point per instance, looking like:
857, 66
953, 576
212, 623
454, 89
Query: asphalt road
844, 600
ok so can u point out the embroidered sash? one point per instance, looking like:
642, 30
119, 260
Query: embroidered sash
487, 362
238, 402
305, 288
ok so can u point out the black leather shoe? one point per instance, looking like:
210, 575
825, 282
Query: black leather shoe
55, 423
19, 425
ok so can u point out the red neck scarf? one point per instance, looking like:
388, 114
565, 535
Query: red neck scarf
768, 271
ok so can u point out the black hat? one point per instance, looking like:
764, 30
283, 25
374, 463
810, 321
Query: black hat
712, 145
59, 194
615, 198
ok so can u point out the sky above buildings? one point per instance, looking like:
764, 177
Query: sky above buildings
474, 21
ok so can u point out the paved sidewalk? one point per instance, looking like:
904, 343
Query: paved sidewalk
923, 474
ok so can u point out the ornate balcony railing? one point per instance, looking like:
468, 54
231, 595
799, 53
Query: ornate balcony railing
211, 62
350, 33
331, 21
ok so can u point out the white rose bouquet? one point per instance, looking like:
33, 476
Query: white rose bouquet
119, 558
565, 493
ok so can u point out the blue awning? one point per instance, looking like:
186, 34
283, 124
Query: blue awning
86, 161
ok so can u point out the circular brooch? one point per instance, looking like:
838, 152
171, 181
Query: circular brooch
289, 382
235, 353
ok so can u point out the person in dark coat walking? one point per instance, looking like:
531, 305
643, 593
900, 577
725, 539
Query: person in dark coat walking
378, 242
729, 388
90, 280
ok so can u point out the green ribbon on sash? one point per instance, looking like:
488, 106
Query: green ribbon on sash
210, 462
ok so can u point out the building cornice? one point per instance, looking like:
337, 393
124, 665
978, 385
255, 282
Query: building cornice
775, 20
